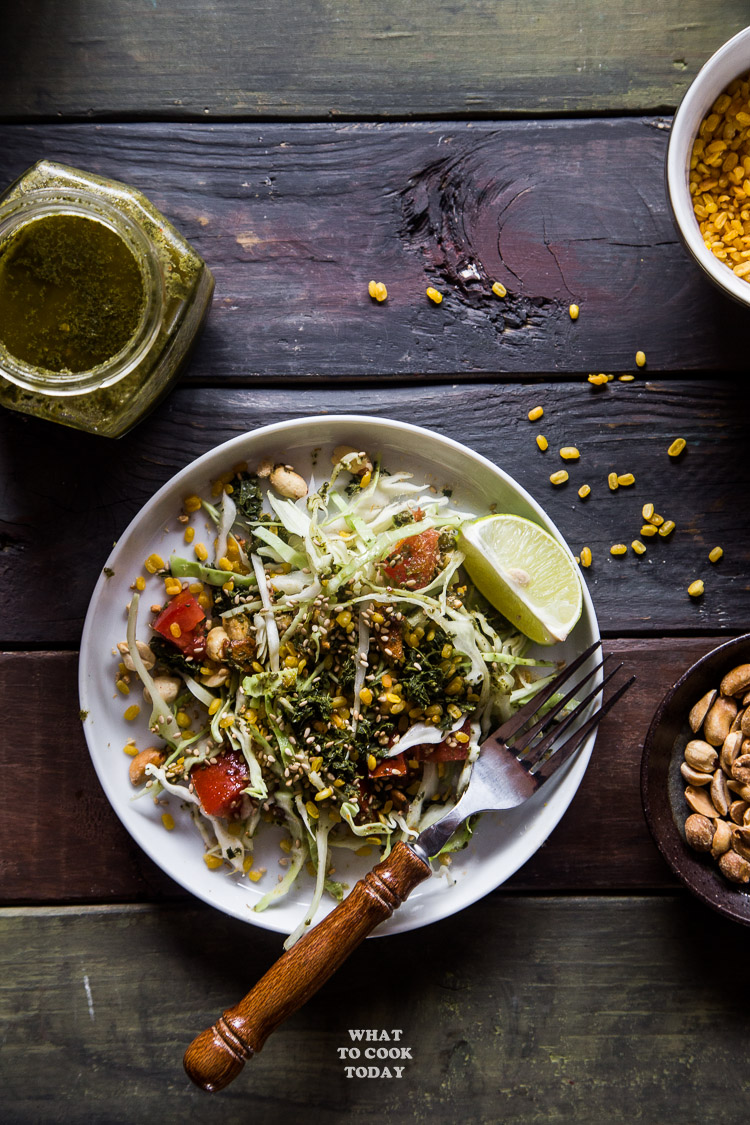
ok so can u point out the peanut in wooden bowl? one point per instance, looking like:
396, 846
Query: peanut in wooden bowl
663, 787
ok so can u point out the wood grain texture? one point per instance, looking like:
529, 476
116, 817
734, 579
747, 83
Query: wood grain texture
526, 1011
203, 58
75, 850
294, 220
63, 508
216, 1056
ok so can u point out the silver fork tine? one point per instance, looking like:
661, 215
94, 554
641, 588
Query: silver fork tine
522, 716
539, 748
530, 734
544, 771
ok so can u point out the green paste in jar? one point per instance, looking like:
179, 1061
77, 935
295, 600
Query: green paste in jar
71, 293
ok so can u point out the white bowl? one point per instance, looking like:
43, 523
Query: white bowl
730, 61
502, 841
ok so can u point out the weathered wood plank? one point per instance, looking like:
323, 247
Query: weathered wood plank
61, 841
521, 1010
61, 510
436, 57
295, 220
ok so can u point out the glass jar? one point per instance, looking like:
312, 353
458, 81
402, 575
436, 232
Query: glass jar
101, 300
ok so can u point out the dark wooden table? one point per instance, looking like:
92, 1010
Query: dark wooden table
305, 150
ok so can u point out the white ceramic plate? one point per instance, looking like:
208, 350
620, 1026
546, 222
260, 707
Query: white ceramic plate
502, 842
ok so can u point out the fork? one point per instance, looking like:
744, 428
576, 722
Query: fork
514, 762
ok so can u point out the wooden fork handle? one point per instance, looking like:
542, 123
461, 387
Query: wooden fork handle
217, 1055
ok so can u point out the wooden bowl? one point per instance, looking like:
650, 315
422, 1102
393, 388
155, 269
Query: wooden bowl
663, 788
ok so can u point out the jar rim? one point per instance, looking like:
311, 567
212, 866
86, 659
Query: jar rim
48, 201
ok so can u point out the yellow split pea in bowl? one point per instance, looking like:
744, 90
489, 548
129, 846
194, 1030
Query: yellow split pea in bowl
707, 186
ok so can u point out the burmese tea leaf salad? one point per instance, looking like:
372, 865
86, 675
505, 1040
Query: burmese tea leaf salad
325, 665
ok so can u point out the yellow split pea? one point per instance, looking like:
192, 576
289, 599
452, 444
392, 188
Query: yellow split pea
720, 177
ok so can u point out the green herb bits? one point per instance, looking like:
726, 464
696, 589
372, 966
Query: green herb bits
100, 300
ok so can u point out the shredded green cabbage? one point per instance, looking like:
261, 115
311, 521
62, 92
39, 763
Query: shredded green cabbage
351, 673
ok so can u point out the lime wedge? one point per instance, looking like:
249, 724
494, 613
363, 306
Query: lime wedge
525, 573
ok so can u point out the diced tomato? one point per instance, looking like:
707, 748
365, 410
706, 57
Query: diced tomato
390, 767
413, 560
184, 611
219, 785
449, 750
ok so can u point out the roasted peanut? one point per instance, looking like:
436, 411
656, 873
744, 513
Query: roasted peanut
287, 482
730, 750
700, 802
716, 767
216, 678
722, 840
737, 811
168, 688
699, 711
144, 652
734, 867
137, 768
357, 460
737, 681
741, 769
720, 793
741, 840
695, 777
216, 643
701, 756
742, 791
718, 720
699, 832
